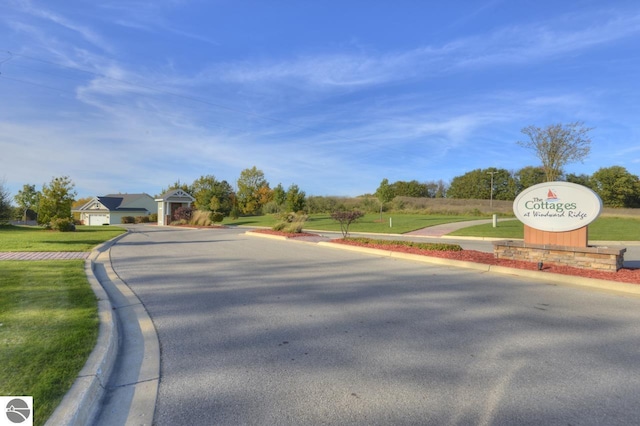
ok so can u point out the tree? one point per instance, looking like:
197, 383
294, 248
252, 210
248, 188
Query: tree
436, 189
617, 187
212, 195
253, 191
529, 176
476, 184
410, 189
5, 205
346, 218
56, 200
279, 195
296, 200
223, 198
385, 192
27, 199
584, 180
557, 145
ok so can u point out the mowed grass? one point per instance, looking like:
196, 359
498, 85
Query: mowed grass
29, 238
602, 229
48, 328
400, 223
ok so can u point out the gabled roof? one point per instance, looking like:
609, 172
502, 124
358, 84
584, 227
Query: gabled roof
116, 202
175, 194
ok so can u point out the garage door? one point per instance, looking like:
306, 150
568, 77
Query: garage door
98, 219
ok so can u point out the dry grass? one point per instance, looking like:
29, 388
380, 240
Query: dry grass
478, 207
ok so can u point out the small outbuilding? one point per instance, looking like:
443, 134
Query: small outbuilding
171, 201
110, 209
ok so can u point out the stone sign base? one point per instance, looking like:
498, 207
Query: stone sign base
598, 258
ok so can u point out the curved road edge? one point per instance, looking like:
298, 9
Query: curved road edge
611, 286
114, 386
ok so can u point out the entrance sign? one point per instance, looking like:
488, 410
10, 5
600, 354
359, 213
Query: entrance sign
557, 206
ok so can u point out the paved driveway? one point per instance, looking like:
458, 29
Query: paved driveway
265, 332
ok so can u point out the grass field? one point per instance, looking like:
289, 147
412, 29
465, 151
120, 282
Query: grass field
401, 223
604, 228
48, 328
28, 238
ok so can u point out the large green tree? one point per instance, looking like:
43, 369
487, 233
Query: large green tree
557, 145
296, 199
253, 191
529, 176
27, 199
212, 195
617, 187
56, 200
476, 184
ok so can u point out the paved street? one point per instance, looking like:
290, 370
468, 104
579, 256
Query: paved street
260, 331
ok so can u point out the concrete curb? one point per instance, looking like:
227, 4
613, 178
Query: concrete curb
83, 403
613, 286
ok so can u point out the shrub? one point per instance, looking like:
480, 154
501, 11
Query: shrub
346, 218
153, 217
62, 224
142, 219
291, 222
183, 214
128, 219
216, 217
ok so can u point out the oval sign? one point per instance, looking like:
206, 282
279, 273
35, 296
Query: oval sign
557, 206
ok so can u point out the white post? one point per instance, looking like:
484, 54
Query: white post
390, 223
495, 220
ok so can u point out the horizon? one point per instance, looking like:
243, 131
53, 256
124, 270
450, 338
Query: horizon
331, 96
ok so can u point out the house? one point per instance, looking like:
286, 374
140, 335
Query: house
110, 209
171, 201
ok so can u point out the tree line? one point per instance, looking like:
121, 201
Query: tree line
615, 185
555, 146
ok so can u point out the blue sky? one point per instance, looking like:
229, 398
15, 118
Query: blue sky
334, 96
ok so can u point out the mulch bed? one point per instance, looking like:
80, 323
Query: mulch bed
284, 234
625, 275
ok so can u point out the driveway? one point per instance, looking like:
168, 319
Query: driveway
265, 332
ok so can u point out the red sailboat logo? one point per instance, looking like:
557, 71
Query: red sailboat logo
551, 196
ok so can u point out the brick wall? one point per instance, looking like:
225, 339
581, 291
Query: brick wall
598, 258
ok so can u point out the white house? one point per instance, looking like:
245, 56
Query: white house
171, 201
110, 209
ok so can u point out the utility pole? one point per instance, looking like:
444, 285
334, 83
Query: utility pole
491, 200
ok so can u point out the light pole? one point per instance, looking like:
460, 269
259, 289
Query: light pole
491, 200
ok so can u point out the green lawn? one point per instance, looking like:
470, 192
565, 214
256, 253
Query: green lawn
48, 328
29, 238
401, 223
602, 229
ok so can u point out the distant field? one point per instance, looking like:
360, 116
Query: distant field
32, 238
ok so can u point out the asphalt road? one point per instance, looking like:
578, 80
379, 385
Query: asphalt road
265, 332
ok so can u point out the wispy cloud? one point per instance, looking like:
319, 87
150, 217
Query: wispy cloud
85, 32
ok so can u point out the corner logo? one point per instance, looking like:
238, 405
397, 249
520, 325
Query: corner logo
540, 206
16, 410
